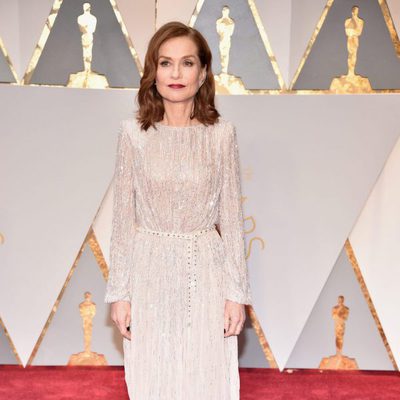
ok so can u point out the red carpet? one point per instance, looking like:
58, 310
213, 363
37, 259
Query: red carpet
88, 383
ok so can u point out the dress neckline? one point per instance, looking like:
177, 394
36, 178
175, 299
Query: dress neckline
171, 127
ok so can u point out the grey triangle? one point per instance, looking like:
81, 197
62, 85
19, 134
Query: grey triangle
64, 336
62, 52
362, 340
251, 354
251, 63
6, 75
7, 355
376, 58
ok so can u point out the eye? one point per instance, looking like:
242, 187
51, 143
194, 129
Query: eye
189, 63
164, 63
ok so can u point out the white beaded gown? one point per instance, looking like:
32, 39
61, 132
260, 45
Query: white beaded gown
172, 185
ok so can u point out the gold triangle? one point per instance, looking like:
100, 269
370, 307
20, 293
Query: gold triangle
98, 254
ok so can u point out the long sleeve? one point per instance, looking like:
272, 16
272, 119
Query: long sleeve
123, 221
231, 224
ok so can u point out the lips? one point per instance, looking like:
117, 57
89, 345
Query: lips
176, 86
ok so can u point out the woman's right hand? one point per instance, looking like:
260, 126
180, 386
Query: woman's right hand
121, 316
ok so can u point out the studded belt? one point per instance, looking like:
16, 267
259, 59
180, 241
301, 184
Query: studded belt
191, 237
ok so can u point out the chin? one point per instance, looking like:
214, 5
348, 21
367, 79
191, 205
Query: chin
178, 97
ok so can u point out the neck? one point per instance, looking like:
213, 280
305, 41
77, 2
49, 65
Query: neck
178, 114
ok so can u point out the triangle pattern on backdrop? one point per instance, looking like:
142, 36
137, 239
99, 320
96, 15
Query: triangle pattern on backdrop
62, 335
8, 352
376, 48
375, 240
59, 52
320, 161
7, 71
254, 349
318, 338
229, 26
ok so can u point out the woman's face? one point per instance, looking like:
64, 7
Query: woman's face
179, 72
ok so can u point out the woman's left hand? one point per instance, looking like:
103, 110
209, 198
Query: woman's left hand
234, 317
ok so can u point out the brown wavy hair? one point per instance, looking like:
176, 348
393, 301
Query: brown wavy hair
151, 107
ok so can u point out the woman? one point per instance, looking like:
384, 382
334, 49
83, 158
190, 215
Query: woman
177, 285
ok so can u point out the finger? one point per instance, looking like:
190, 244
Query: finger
226, 324
128, 335
233, 325
128, 324
122, 328
241, 324
127, 319
125, 333
239, 328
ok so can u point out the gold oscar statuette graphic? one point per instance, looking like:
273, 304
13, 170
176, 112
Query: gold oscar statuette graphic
340, 313
87, 79
1, 238
352, 83
87, 310
226, 83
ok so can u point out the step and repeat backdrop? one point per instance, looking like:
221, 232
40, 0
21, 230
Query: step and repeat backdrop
313, 88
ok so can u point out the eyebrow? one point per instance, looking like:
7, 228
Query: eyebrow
169, 58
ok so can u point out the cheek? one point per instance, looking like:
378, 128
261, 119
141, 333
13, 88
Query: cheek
193, 76
161, 75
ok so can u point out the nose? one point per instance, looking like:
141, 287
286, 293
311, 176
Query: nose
176, 71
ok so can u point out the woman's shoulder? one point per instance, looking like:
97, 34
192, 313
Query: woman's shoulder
224, 125
221, 121
226, 129
131, 127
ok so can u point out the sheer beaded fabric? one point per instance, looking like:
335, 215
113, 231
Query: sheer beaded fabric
172, 185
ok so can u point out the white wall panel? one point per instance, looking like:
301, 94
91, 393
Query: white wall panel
276, 18
394, 7
57, 152
315, 160
139, 18
179, 10
375, 239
